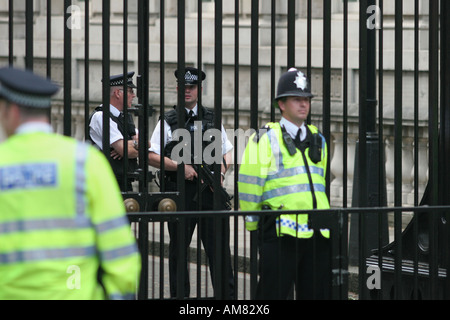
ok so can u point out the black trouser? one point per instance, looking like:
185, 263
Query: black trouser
287, 261
208, 235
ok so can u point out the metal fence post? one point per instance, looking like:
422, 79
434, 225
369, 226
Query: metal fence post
369, 178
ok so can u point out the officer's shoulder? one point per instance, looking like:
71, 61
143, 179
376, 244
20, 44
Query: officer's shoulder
92, 153
314, 130
208, 113
208, 109
97, 110
171, 116
172, 111
83, 149
97, 114
262, 131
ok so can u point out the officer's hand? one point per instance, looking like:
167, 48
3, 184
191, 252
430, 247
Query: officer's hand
115, 155
189, 172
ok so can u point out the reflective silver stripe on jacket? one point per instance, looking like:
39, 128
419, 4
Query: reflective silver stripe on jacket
80, 221
46, 254
80, 179
42, 225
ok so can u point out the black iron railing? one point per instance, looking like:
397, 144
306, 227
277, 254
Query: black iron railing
413, 266
417, 251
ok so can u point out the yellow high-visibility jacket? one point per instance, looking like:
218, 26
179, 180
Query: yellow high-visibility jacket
62, 223
270, 175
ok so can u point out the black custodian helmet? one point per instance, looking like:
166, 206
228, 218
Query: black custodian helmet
293, 84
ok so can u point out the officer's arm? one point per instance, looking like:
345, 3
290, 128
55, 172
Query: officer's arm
253, 173
154, 160
170, 165
225, 166
228, 159
118, 146
325, 156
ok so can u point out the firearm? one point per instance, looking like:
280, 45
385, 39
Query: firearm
208, 181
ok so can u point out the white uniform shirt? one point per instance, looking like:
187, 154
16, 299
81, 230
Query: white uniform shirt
32, 127
96, 128
292, 129
156, 137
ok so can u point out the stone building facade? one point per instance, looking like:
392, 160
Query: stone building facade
228, 85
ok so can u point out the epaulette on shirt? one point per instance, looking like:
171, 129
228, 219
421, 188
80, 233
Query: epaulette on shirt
261, 132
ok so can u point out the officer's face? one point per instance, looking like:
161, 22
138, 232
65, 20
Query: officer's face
130, 96
295, 109
190, 95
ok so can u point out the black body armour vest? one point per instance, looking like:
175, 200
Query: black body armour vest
207, 123
116, 164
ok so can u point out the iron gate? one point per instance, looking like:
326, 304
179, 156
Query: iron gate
397, 45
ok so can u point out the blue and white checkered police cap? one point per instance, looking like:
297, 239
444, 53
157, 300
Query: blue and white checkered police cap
191, 76
25, 88
117, 80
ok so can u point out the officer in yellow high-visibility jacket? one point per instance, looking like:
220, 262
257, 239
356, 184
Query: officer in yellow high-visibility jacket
63, 229
284, 168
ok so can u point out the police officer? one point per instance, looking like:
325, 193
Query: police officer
284, 168
63, 229
194, 114
118, 136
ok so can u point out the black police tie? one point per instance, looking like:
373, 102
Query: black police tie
121, 118
191, 114
297, 140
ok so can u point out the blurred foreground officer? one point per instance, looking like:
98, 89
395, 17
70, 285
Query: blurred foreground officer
63, 229
284, 168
